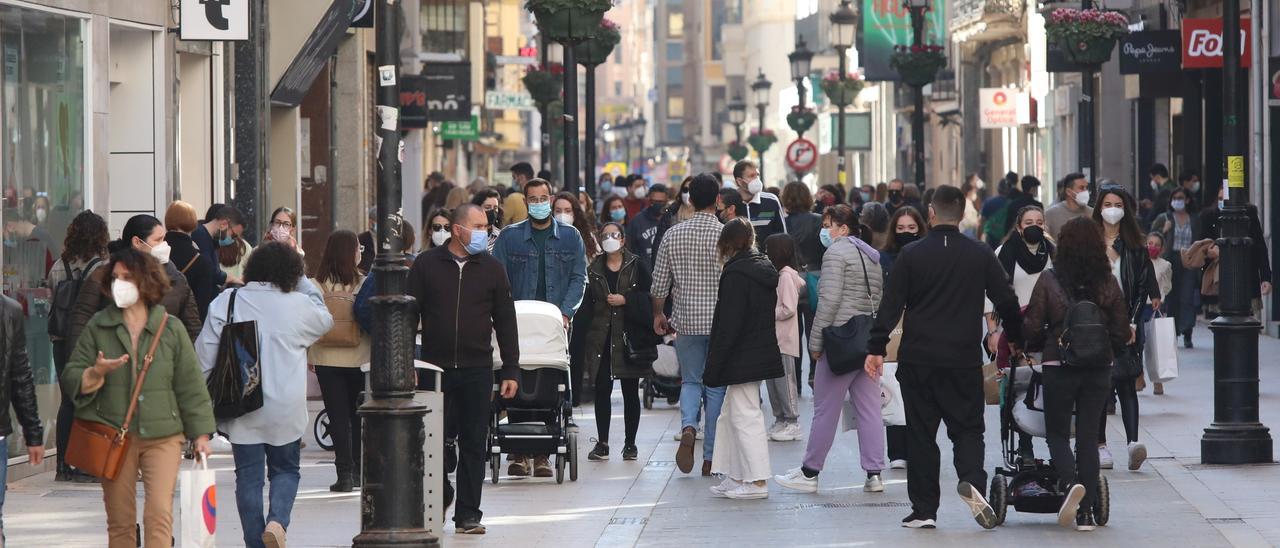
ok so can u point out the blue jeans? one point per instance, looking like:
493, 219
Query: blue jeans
691, 352
281, 464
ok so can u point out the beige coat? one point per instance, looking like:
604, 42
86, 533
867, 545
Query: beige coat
333, 356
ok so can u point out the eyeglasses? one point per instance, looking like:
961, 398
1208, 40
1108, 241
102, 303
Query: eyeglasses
285, 224
612, 235
438, 227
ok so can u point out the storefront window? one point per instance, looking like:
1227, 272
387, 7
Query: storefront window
42, 94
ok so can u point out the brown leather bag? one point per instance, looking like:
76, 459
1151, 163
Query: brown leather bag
99, 449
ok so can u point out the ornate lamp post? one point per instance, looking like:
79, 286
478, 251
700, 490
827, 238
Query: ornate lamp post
760, 92
637, 131
591, 54
737, 116
801, 62
843, 25
917, 9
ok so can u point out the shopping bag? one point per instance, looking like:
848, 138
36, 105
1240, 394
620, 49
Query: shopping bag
891, 408
235, 383
991, 383
1162, 350
198, 505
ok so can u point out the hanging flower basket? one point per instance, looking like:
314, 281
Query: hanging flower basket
738, 151
1086, 37
841, 93
596, 51
918, 65
801, 119
568, 21
762, 140
544, 85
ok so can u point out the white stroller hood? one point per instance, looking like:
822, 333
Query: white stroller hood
543, 339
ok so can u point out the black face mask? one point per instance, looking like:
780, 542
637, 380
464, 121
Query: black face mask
904, 238
494, 216
895, 195
1033, 234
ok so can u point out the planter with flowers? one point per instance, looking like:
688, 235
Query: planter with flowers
596, 51
1086, 37
568, 21
544, 85
801, 119
841, 93
762, 139
918, 65
738, 151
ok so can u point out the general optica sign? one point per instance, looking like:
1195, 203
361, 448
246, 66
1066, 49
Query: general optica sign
885, 23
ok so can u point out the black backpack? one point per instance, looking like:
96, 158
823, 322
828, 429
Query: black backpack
1084, 341
64, 298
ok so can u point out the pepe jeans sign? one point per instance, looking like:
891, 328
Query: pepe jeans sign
1151, 51
1202, 43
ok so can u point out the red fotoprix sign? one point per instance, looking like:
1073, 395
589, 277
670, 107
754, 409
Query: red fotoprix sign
1202, 43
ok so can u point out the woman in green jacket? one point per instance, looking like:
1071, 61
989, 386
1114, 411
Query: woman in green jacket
173, 406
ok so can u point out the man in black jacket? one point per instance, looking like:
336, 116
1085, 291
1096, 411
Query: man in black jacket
462, 296
17, 387
642, 228
939, 282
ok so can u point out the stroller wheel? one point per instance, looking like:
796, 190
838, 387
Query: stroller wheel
560, 462
495, 463
571, 453
320, 429
1102, 503
998, 497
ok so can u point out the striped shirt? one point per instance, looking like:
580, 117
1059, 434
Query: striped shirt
688, 269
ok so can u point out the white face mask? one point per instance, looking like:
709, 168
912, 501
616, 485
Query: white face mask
439, 237
565, 218
280, 233
1112, 215
1082, 197
620, 191
755, 186
684, 197
161, 252
124, 292
1178, 205
979, 184
41, 213
611, 245
640, 193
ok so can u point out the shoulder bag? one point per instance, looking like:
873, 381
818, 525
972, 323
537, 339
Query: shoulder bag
235, 383
99, 449
845, 346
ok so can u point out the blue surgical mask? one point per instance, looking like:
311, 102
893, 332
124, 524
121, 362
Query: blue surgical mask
824, 236
866, 196
540, 211
479, 242
606, 187
226, 239
618, 214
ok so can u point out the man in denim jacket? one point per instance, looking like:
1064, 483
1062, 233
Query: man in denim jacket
545, 261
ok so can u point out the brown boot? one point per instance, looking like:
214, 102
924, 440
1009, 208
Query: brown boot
542, 467
1159, 389
273, 535
519, 466
706, 468
684, 454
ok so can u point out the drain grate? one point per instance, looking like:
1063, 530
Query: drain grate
851, 505
629, 521
1225, 520
73, 493
660, 464
1198, 466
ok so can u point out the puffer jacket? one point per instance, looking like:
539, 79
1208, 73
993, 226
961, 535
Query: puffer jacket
744, 342
849, 268
17, 385
178, 301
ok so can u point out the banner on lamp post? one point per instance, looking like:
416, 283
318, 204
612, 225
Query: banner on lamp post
885, 24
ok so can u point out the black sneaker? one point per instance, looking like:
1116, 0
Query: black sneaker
1084, 521
64, 473
599, 452
1186, 341
629, 452
343, 485
918, 521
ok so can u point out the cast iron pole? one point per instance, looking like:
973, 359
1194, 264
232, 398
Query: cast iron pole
760, 108
570, 182
392, 510
1237, 435
1086, 136
589, 163
544, 110
841, 176
917, 114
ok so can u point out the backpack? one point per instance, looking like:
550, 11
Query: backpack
345, 333
1084, 341
995, 227
64, 298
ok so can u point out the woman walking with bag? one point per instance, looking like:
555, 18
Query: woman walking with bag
1076, 378
1179, 230
621, 310
338, 355
271, 436
742, 352
850, 286
159, 400
781, 250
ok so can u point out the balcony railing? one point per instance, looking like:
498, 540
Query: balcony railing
969, 12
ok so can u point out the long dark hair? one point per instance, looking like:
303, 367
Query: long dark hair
87, 237
905, 211
736, 237
581, 221
1081, 262
1130, 233
338, 264
781, 249
604, 209
275, 263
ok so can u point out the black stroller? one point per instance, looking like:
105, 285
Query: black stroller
539, 419
1030, 487
665, 380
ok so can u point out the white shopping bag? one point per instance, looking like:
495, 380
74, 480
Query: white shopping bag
890, 402
1161, 352
198, 505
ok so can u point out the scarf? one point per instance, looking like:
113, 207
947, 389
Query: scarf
1015, 250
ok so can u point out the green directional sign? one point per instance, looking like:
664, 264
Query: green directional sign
461, 131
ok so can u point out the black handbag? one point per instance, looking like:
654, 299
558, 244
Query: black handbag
1127, 363
235, 383
845, 346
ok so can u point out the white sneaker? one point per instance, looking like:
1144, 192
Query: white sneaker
796, 480
676, 437
1070, 506
727, 484
746, 491
788, 432
898, 464
777, 425
1137, 455
873, 485
982, 512
1105, 461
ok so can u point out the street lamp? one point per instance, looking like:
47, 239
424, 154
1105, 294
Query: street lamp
637, 131
737, 115
844, 22
917, 9
801, 60
760, 91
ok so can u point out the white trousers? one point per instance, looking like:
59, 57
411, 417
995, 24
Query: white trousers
742, 445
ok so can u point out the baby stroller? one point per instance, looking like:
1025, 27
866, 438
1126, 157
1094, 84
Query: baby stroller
665, 380
539, 419
1030, 487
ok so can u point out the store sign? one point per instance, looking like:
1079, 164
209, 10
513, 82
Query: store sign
1151, 51
448, 89
802, 154
503, 100
363, 16
885, 24
314, 54
413, 102
461, 131
1202, 43
1003, 107
214, 20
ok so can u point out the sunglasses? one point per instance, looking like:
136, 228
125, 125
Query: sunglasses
438, 227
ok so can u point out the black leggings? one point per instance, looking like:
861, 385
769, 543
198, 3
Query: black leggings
604, 405
1127, 394
66, 409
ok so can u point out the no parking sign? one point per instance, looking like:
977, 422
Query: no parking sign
802, 154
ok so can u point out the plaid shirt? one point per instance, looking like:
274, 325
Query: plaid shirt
688, 269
